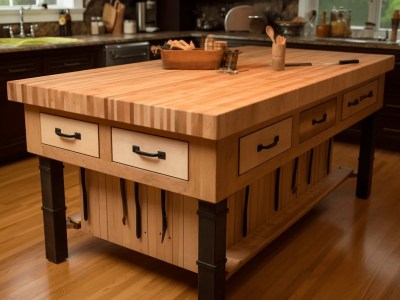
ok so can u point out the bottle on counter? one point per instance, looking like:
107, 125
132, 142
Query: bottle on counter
94, 26
68, 23
323, 28
100, 25
62, 23
395, 25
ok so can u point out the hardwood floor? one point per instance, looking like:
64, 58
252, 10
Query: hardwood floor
344, 248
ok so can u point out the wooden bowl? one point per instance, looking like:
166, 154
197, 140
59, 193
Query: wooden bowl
290, 28
196, 59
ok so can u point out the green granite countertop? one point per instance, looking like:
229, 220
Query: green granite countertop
90, 40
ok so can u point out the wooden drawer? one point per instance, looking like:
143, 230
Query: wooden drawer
317, 119
70, 134
153, 153
264, 144
357, 99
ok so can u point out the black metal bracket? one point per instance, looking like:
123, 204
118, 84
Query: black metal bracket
245, 208
164, 216
124, 203
84, 194
138, 212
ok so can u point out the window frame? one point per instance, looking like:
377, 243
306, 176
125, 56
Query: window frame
374, 10
10, 15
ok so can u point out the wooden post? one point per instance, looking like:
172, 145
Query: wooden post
212, 250
53, 207
366, 157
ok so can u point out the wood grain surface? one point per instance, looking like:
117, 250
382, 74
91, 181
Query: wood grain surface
201, 103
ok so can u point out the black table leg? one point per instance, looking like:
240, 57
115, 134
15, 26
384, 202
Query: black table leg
366, 157
53, 201
212, 250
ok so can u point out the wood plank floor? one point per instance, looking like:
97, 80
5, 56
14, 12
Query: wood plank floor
343, 249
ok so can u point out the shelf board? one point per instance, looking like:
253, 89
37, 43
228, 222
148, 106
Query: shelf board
243, 251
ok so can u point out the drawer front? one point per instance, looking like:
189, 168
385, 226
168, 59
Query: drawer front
149, 152
317, 119
70, 134
264, 144
356, 100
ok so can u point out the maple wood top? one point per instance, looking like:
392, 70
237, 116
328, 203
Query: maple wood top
201, 103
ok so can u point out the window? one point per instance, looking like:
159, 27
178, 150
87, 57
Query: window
36, 13
376, 11
37, 3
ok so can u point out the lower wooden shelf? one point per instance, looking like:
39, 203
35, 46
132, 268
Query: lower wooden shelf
244, 250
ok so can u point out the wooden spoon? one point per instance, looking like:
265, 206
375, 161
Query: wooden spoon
270, 32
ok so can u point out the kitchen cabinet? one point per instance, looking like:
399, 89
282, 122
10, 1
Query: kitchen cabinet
31, 64
12, 124
199, 222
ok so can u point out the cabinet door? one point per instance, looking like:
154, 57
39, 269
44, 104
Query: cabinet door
68, 62
12, 123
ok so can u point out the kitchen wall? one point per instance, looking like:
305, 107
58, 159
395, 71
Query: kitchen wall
213, 10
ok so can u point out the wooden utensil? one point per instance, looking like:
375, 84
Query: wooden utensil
109, 16
270, 32
119, 20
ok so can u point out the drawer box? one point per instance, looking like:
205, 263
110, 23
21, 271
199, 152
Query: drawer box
264, 144
149, 152
70, 134
358, 99
317, 119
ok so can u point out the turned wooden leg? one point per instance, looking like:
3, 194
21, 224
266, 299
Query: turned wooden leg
366, 157
53, 207
212, 250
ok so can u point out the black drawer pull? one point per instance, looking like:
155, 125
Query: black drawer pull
272, 145
71, 64
324, 117
159, 154
76, 135
21, 70
369, 95
354, 102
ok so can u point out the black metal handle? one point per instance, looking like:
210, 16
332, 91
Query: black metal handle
354, 102
246, 204
159, 154
76, 135
163, 215
138, 212
369, 95
261, 147
348, 61
324, 117
124, 203
84, 195
116, 56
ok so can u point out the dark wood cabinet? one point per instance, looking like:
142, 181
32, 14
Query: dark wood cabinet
31, 64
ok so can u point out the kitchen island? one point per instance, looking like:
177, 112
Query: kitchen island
165, 154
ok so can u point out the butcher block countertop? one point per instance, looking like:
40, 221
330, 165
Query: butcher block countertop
200, 103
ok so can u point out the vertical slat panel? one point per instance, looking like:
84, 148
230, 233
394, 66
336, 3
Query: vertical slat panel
230, 226
190, 233
102, 196
177, 230
114, 210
